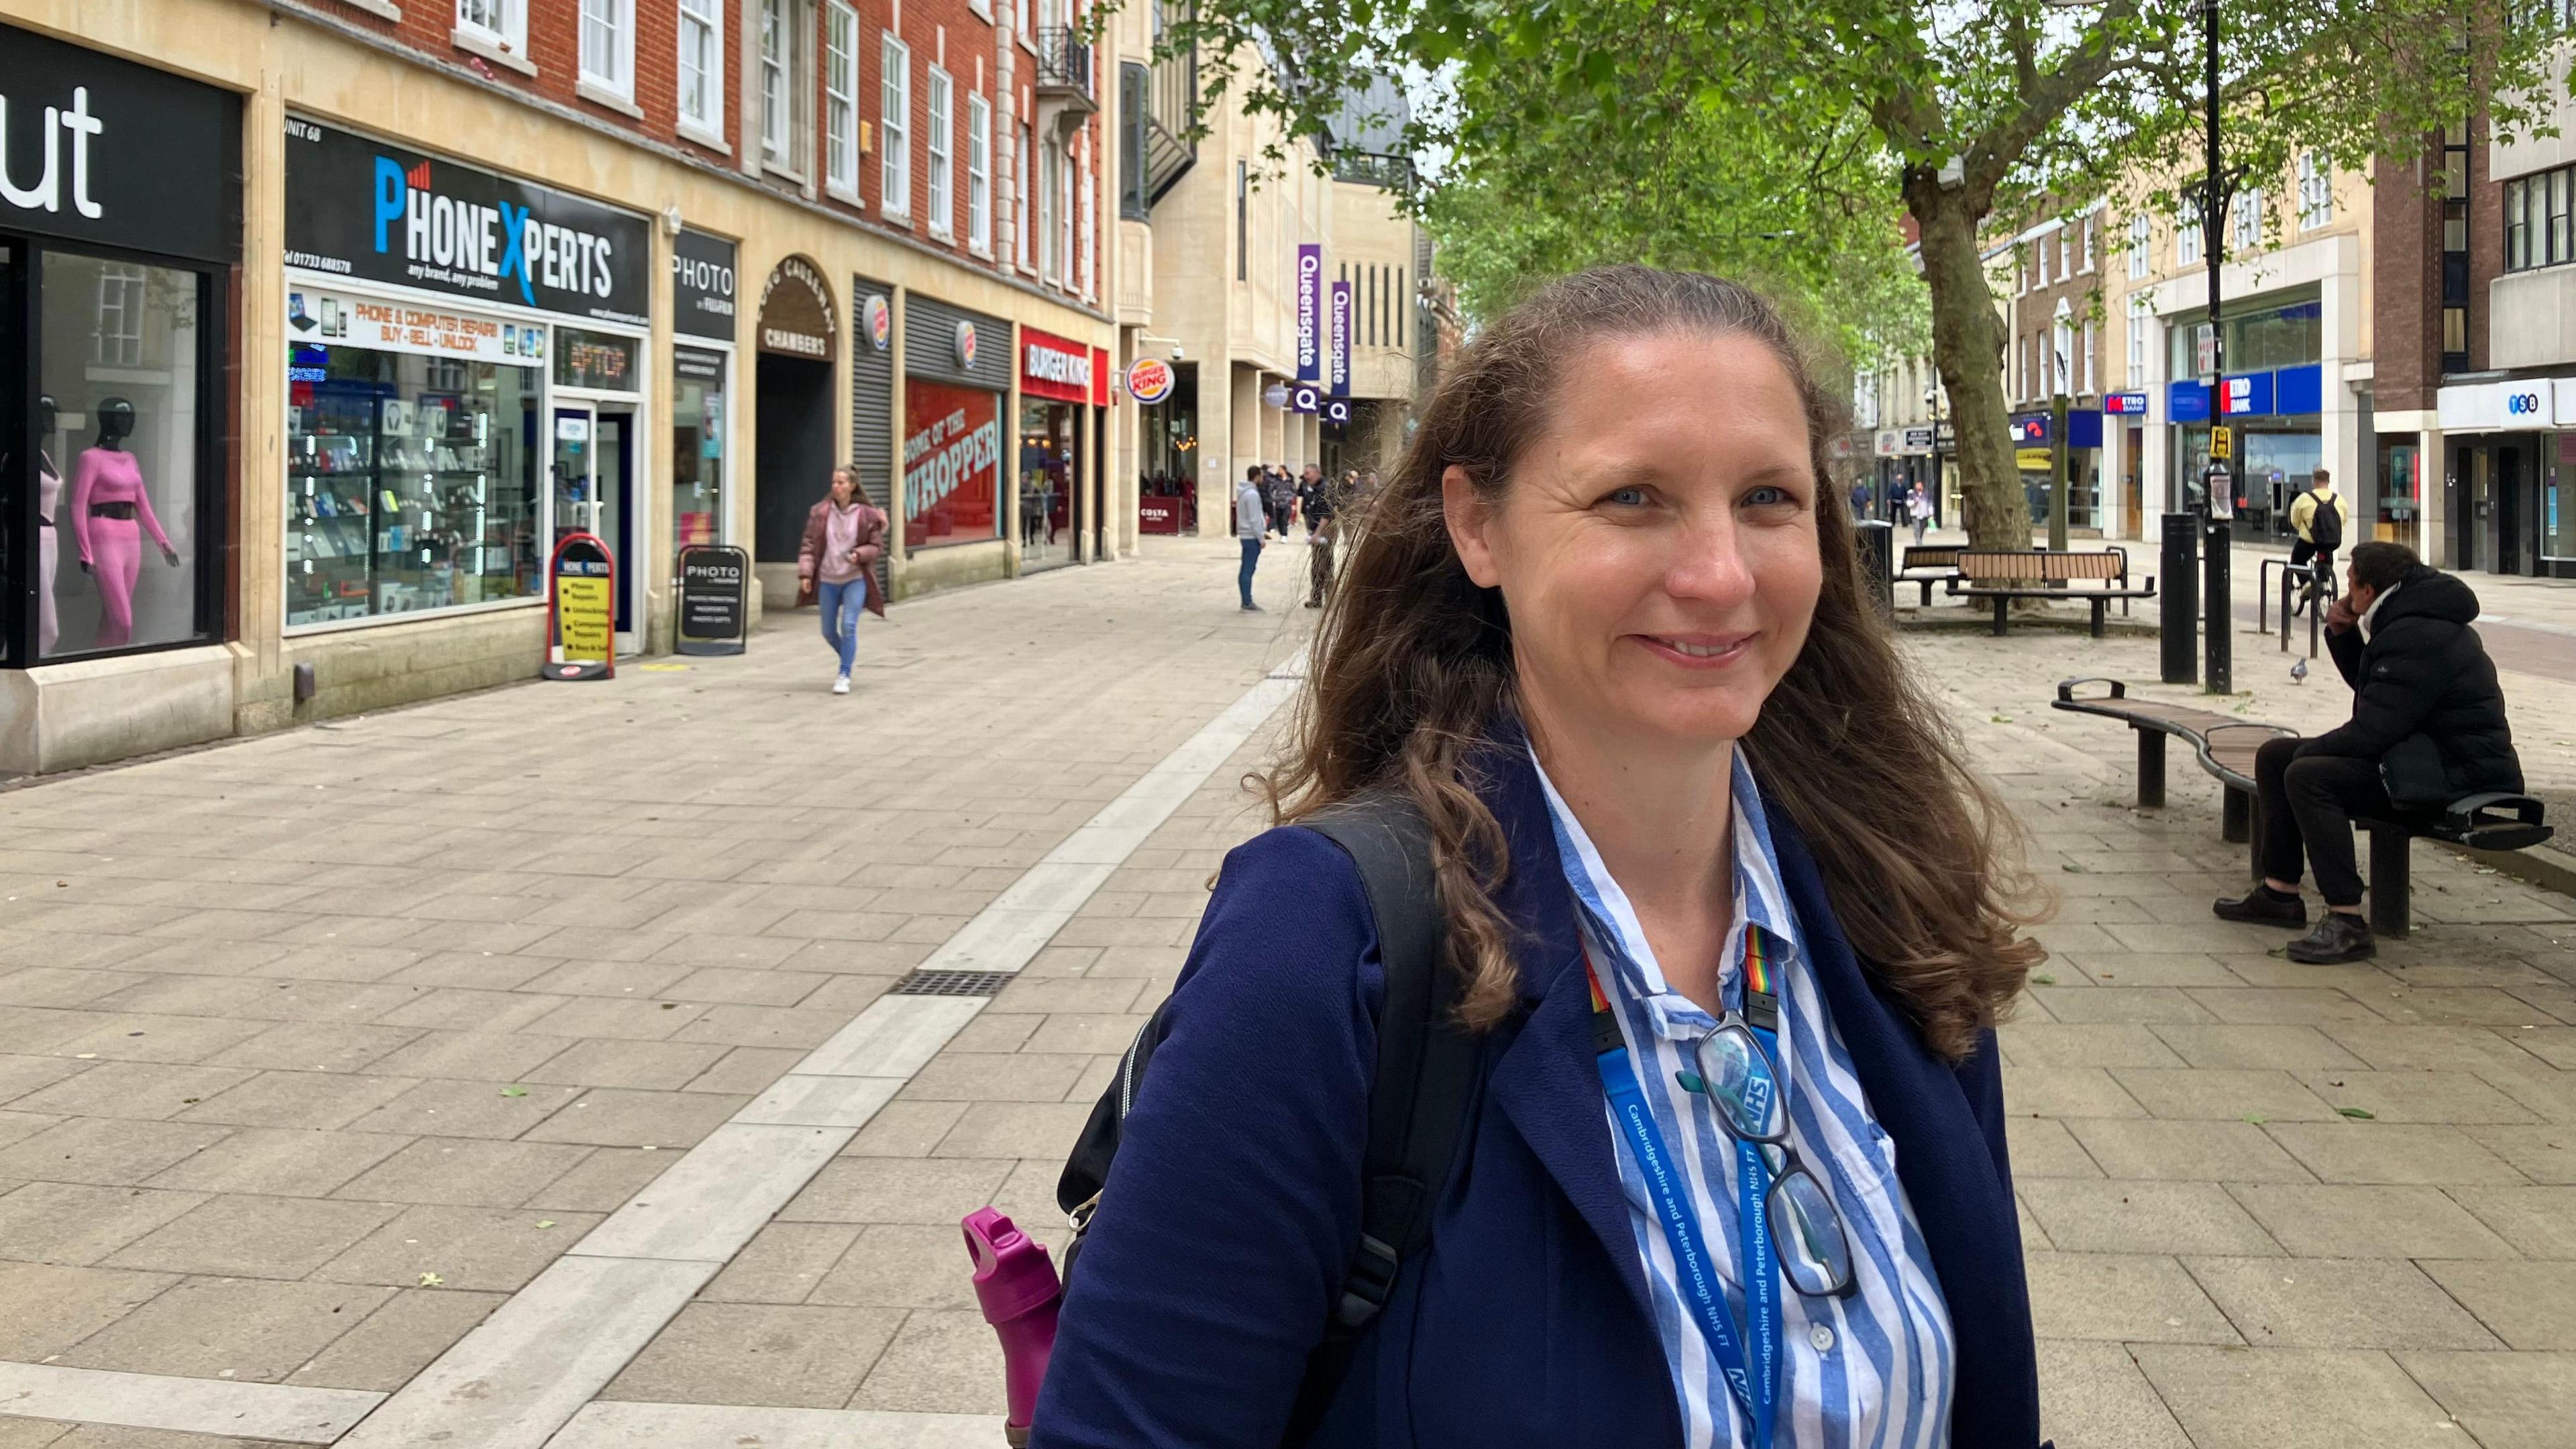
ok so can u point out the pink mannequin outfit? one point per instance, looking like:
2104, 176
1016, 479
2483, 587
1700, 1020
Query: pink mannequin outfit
49, 500
107, 502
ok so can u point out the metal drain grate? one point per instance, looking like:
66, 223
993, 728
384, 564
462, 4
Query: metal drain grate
952, 983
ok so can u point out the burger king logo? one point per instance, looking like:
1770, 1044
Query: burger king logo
1149, 379
966, 345
880, 323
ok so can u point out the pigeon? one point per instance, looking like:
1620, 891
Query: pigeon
2298, 671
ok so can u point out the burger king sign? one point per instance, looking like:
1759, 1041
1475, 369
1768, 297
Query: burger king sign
1149, 380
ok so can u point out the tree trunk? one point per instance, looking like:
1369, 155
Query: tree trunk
1968, 341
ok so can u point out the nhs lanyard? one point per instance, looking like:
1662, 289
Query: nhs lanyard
1754, 1379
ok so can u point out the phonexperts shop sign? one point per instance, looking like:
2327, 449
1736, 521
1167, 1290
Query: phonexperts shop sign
366, 209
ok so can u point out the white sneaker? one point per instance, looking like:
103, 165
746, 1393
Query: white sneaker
841, 685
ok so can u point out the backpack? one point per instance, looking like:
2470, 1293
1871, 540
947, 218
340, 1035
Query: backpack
1426, 1072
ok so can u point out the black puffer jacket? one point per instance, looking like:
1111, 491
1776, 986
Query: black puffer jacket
2425, 671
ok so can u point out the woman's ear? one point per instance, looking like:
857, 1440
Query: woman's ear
1468, 519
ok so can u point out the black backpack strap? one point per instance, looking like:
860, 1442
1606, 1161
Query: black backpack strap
1426, 1070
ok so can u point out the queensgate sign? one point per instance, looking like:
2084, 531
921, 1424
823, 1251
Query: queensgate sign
358, 207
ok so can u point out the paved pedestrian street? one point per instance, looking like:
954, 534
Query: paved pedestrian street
520, 1069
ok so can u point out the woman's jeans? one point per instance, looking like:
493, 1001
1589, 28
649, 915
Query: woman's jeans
840, 607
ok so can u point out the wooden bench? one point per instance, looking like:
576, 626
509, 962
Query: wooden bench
2226, 747
2006, 575
1943, 557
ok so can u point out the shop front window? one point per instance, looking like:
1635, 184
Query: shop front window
697, 446
952, 464
122, 526
411, 481
2557, 507
1047, 474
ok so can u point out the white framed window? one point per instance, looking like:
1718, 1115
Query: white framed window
2316, 190
942, 150
2089, 340
702, 66
979, 174
2245, 220
2092, 224
2141, 237
2061, 377
1028, 21
2187, 236
894, 150
500, 22
2140, 319
2065, 254
1064, 217
608, 45
841, 99
1024, 245
783, 85
118, 342
1050, 170
1083, 234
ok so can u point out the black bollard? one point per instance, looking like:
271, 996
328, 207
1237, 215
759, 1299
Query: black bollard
2178, 588
1877, 547
2219, 596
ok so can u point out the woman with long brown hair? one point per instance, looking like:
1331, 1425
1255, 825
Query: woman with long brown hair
1729, 918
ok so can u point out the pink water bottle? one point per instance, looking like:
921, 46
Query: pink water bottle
1016, 1283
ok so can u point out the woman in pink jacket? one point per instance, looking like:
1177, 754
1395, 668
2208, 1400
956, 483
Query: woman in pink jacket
844, 538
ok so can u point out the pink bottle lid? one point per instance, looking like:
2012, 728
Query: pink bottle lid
1013, 1273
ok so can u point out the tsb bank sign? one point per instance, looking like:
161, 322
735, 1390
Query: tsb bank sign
2528, 402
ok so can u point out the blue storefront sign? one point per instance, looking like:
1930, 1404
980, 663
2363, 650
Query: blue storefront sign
2126, 404
2287, 392
2247, 394
2187, 402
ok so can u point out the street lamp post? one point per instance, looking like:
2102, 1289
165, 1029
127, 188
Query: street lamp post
1932, 400
2218, 599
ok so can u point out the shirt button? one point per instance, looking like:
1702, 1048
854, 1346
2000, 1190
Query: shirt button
1822, 1337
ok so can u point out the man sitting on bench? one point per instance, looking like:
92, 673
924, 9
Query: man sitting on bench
2419, 673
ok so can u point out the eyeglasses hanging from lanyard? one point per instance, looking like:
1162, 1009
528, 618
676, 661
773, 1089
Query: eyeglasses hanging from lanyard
1736, 1074
1752, 1109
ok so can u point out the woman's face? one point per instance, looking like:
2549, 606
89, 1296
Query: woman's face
1656, 544
842, 488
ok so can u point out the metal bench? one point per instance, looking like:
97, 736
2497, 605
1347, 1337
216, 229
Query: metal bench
1943, 557
2226, 747
2004, 575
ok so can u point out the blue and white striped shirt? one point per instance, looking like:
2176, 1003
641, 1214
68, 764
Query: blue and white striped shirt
1876, 1368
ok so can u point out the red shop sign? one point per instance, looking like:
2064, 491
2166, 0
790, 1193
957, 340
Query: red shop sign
1054, 367
1100, 374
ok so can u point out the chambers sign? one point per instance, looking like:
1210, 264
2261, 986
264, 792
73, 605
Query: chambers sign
367, 209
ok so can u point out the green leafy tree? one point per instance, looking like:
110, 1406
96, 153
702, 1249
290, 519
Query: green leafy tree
1957, 112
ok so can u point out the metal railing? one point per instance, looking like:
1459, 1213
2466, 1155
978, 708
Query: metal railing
1063, 61
2293, 577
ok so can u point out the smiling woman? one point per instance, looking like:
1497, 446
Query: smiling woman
1728, 920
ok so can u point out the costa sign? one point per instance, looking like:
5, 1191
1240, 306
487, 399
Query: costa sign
1149, 380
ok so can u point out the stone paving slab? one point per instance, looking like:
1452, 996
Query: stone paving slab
2264, 1203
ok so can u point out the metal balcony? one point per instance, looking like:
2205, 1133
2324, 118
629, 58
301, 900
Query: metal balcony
1065, 95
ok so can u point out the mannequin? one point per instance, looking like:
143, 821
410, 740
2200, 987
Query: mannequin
49, 499
107, 500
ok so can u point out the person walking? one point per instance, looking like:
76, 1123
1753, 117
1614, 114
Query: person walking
1283, 500
2428, 727
2318, 517
844, 537
1730, 1164
1918, 506
1251, 526
1311, 503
